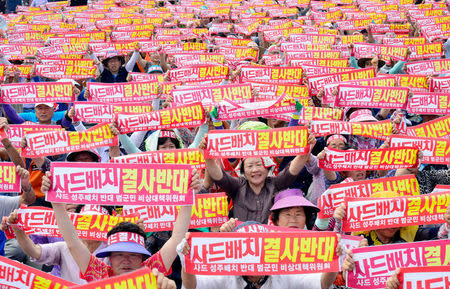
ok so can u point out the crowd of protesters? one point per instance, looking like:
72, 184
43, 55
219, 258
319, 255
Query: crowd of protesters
278, 190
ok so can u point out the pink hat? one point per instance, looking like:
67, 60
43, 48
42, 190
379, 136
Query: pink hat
292, 198
362, 115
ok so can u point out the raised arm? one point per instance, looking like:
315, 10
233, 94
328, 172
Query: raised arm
299, 161
79, 251
12, 115
168, 251
27, 245
28, 197
214, 171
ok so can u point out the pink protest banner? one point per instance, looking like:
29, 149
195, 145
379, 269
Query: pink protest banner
232, 53
252, 143
37, 92
232, 41
212, 95
131, 35
17, 131
199, 73
331, 199
208, 210
376, 159
315, 83
371, 96
437, 128
428, 67
404, 41
142, 278
329, 97
353, 24
295, 46
425, 51
192, 157
60, 142
199, 59
378, 130
98, 112
41, 221
58, 61
416, 83
313, 70
229, 110
437, 277
114, 184
262, 253
16, 51
322, 54
311, 113
16, 275
429, 103
338, 62
274, 34
435, 150
51, 51
9, 179
281, 75
379, 213
65, 71
440, 84
267, 90
142, 77
122, 92
394, 27
190, 115
312, 38
375, 264
367, 50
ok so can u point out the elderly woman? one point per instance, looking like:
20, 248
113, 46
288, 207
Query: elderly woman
252, 194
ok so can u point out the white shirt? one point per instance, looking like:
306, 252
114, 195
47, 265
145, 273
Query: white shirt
299, 281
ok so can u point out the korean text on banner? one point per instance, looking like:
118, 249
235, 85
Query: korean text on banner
142, 278
208, 210
9, 179
60, 142
331, 199
262, 253
193, 157
116, 184
16, 275
122, 92
424, 277
251, 143
41, 221
37, 92
378, 130
435, 150
375, 264
190, 115
379, 213
376, 159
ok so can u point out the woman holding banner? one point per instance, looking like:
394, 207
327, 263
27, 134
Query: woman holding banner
126, 245
252, 194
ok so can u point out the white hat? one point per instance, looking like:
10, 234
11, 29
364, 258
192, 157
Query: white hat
49, 104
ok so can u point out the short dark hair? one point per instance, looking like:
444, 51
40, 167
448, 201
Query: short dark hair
127, 227
175, 141
110, 209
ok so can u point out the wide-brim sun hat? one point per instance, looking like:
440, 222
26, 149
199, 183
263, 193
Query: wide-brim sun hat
292, 198
124, 242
